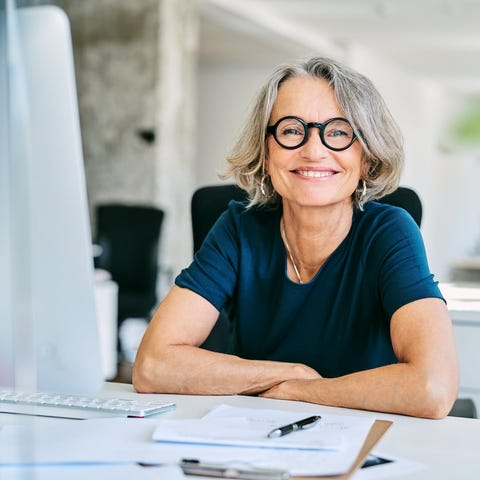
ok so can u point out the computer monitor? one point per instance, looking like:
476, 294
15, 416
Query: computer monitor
49, 316
6, 334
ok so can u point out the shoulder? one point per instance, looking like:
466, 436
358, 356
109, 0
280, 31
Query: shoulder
241, 215
240, 224
386, 222
239, 208
382, 229
376, 214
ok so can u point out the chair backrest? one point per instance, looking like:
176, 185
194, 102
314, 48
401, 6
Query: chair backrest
209, 202
129, 237
407, 199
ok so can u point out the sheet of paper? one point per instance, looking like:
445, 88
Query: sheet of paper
226, 425
90, 472
114, 440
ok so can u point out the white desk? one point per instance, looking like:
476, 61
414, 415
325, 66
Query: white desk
448, 448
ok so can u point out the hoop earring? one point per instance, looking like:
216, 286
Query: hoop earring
263, 187
362, 195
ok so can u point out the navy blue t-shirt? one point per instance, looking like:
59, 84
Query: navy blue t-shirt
337, 323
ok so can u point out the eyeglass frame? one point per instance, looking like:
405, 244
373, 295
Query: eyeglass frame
272, 129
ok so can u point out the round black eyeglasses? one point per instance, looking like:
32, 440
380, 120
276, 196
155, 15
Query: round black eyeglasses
292, 132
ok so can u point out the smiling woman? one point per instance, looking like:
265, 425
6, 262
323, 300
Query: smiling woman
330, 292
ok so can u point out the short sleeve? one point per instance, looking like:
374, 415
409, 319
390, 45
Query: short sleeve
404, 273
213, 272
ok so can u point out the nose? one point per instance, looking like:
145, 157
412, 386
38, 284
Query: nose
314, 147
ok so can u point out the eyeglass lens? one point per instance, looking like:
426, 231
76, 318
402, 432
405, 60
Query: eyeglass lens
292, 132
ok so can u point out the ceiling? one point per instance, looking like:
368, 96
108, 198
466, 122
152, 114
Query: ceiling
436, 39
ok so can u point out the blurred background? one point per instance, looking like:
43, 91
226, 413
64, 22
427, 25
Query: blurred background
164, 86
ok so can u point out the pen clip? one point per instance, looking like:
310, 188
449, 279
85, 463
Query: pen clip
231, 470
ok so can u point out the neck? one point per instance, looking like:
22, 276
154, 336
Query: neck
310, 241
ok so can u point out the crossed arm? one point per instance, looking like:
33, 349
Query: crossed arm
423, 383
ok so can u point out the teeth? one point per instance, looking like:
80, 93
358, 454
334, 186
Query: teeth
313, 173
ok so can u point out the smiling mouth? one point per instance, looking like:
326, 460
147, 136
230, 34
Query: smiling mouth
314, 173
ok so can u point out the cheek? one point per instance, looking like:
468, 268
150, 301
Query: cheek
278, 159
358, 164
362, 162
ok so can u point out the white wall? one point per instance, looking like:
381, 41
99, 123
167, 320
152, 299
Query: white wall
225, 94
458, 207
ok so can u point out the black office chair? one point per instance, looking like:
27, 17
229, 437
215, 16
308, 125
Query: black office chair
463, 407
407, 199
128, 237
208, 203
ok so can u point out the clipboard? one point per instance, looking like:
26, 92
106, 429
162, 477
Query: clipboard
376, 433
195, 468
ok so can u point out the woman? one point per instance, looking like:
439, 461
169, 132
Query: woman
331, 293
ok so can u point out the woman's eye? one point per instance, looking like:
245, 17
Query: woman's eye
291, 131
339, 128
337, 133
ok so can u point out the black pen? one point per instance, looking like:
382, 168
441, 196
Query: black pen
292, 427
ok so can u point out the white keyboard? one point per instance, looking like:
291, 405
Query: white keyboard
76, 406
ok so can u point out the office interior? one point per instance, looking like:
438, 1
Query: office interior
164, 86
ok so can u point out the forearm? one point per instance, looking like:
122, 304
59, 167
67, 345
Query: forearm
188, 369
398, 388
424, 382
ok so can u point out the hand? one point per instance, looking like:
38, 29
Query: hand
302, 372
293, 389
288, 390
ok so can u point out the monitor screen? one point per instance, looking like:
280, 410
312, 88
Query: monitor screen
51, 300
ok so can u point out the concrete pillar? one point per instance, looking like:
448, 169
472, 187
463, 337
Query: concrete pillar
175, 126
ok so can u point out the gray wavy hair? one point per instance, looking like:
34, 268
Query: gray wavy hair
363, 107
